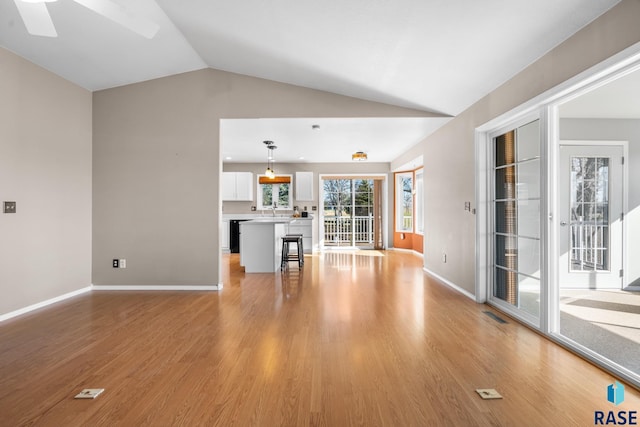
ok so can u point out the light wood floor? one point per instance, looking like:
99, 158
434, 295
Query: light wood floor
363, 339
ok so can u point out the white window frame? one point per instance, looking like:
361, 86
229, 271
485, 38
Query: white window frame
418, 210
275, 190
399, 193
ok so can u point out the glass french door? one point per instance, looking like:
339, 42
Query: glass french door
591, 206
516, 221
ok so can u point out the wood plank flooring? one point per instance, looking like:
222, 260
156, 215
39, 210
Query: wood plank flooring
353, 339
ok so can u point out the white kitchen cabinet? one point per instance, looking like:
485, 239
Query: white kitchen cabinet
237, 186
261, 244
304, 186
303, 226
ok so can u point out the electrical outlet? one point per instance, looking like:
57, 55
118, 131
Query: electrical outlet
115, 263
9, 207
314, 208
123, 263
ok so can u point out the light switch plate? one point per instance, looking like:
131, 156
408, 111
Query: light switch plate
9, 207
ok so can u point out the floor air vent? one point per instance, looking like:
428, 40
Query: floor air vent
494, 317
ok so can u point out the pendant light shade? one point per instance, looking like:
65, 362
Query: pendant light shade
270, 147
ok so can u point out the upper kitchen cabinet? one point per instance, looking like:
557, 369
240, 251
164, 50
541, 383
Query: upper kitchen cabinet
237, 186
304, 186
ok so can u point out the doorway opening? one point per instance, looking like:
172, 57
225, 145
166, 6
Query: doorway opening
351, 215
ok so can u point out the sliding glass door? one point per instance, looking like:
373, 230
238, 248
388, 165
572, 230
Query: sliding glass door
348, 213
558, 213
516, 221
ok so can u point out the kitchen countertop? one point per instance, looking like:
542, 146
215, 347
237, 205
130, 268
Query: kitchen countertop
270, 220
230, 216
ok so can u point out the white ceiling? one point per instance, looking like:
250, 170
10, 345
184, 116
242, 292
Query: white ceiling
435, 55
333, 142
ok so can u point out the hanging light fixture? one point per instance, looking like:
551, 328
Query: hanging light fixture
270, 147
359, 156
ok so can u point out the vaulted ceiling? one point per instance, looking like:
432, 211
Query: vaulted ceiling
439, 56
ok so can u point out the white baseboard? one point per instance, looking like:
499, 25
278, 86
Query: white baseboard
157, 288
411, 251
450, 284
33, 307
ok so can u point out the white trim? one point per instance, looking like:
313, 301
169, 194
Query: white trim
42, 304
157, 288
450, 284
413, 251
548, 130
482, 164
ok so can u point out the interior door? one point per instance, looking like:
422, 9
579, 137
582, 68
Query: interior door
591, 213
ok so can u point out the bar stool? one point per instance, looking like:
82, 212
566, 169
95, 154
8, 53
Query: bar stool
286, 255
299, 246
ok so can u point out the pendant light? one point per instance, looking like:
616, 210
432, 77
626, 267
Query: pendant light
270, 147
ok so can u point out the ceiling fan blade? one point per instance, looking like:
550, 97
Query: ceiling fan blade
118, 14
36, 18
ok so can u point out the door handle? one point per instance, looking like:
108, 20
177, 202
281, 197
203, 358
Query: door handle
563, 223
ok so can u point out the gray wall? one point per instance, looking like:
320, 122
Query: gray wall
45, 166
617, 130
157, 167
449, 153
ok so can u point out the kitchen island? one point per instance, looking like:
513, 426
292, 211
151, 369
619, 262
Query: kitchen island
261, 244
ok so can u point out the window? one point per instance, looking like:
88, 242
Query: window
404, 201
420, 201
274, 192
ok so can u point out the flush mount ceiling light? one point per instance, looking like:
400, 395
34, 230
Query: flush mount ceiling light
36, 18
270, 147
359, 156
